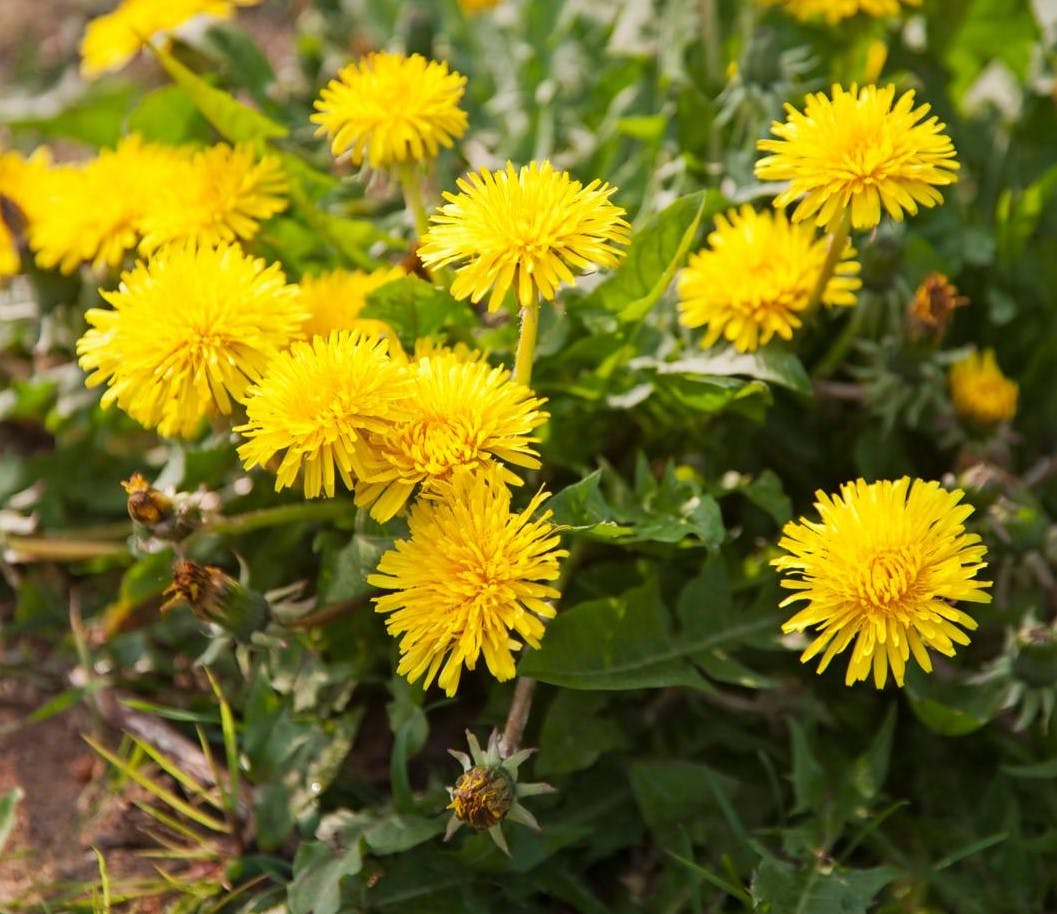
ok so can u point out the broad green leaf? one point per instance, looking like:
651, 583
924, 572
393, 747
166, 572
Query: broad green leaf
416, 308
318, 871
811, 782
990, 30
343, 570
575, 733
781, 888
774, 364
673, 794
953, 708
657, 251
169, 115
1041, 770
96, 118
242, 62
232, 119
625, 642
581, 507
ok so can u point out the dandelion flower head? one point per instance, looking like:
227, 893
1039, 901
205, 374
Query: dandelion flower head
334, 300
472, 579
979, 390
20, 182
459, 414
314, 405
528, 228
477, 6
387, 109
834, 11
217, 194
757, 276
189, 330
857, 152
112, 40
881, 571
93, 212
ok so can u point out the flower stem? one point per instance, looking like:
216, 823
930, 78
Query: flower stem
412, 188
838, 238
526, 343
322, 509
517, 717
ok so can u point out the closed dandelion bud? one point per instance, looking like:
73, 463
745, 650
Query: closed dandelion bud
487, 792
216, 597
482, 796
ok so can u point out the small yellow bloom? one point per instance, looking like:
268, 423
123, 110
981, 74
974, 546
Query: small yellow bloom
756, 278
458, 414
111, 41
387, 109
468, 580
883, 568
334, 300
93, 212
858, 152
316, 402
979, 390
834, 11
216, 194
526, 228
477, 6
189, 331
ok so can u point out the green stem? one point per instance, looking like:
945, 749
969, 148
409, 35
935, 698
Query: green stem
526, 343
831, 361
412, 188
324, 509
838, 238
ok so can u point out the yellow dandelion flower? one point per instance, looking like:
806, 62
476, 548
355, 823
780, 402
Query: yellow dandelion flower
458, 414
858, 152
468, 581
883, 568
756, 277
111, 41
334, 300
477, 6
834, 11
387, 109
527, 228
979, 390
92, 213
21, 180
218, 194
189, 331
316, 402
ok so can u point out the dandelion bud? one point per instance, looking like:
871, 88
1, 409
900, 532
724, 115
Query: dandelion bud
218, 598
1035, 661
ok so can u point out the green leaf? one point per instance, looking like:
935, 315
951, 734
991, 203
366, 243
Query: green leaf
318, 871
672, 794
657, 251
232, 119
8, 805
780, 888
343, 570
416, 308
169, 115
626, 642
575, 734
990, 30
953, 708
774, 364
96, 118
581, 508
811, 782
1040, 770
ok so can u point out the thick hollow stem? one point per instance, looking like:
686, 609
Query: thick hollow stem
412, 188
526, 343
838, 238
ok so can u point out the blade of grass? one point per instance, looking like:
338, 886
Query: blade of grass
230, 796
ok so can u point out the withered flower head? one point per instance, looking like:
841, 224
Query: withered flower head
935, 300
146, 505
215, 596
487, 792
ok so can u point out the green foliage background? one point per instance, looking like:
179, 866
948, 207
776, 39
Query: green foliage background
700, 767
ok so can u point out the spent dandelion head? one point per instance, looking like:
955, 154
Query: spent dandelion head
756, 278
334, 300
834, 11
314, 405
933, 306
526, 228
458, 414
387, 109
882, 570
858, 152
221, 193
471, 579
187, 333
112, 40
980, 392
